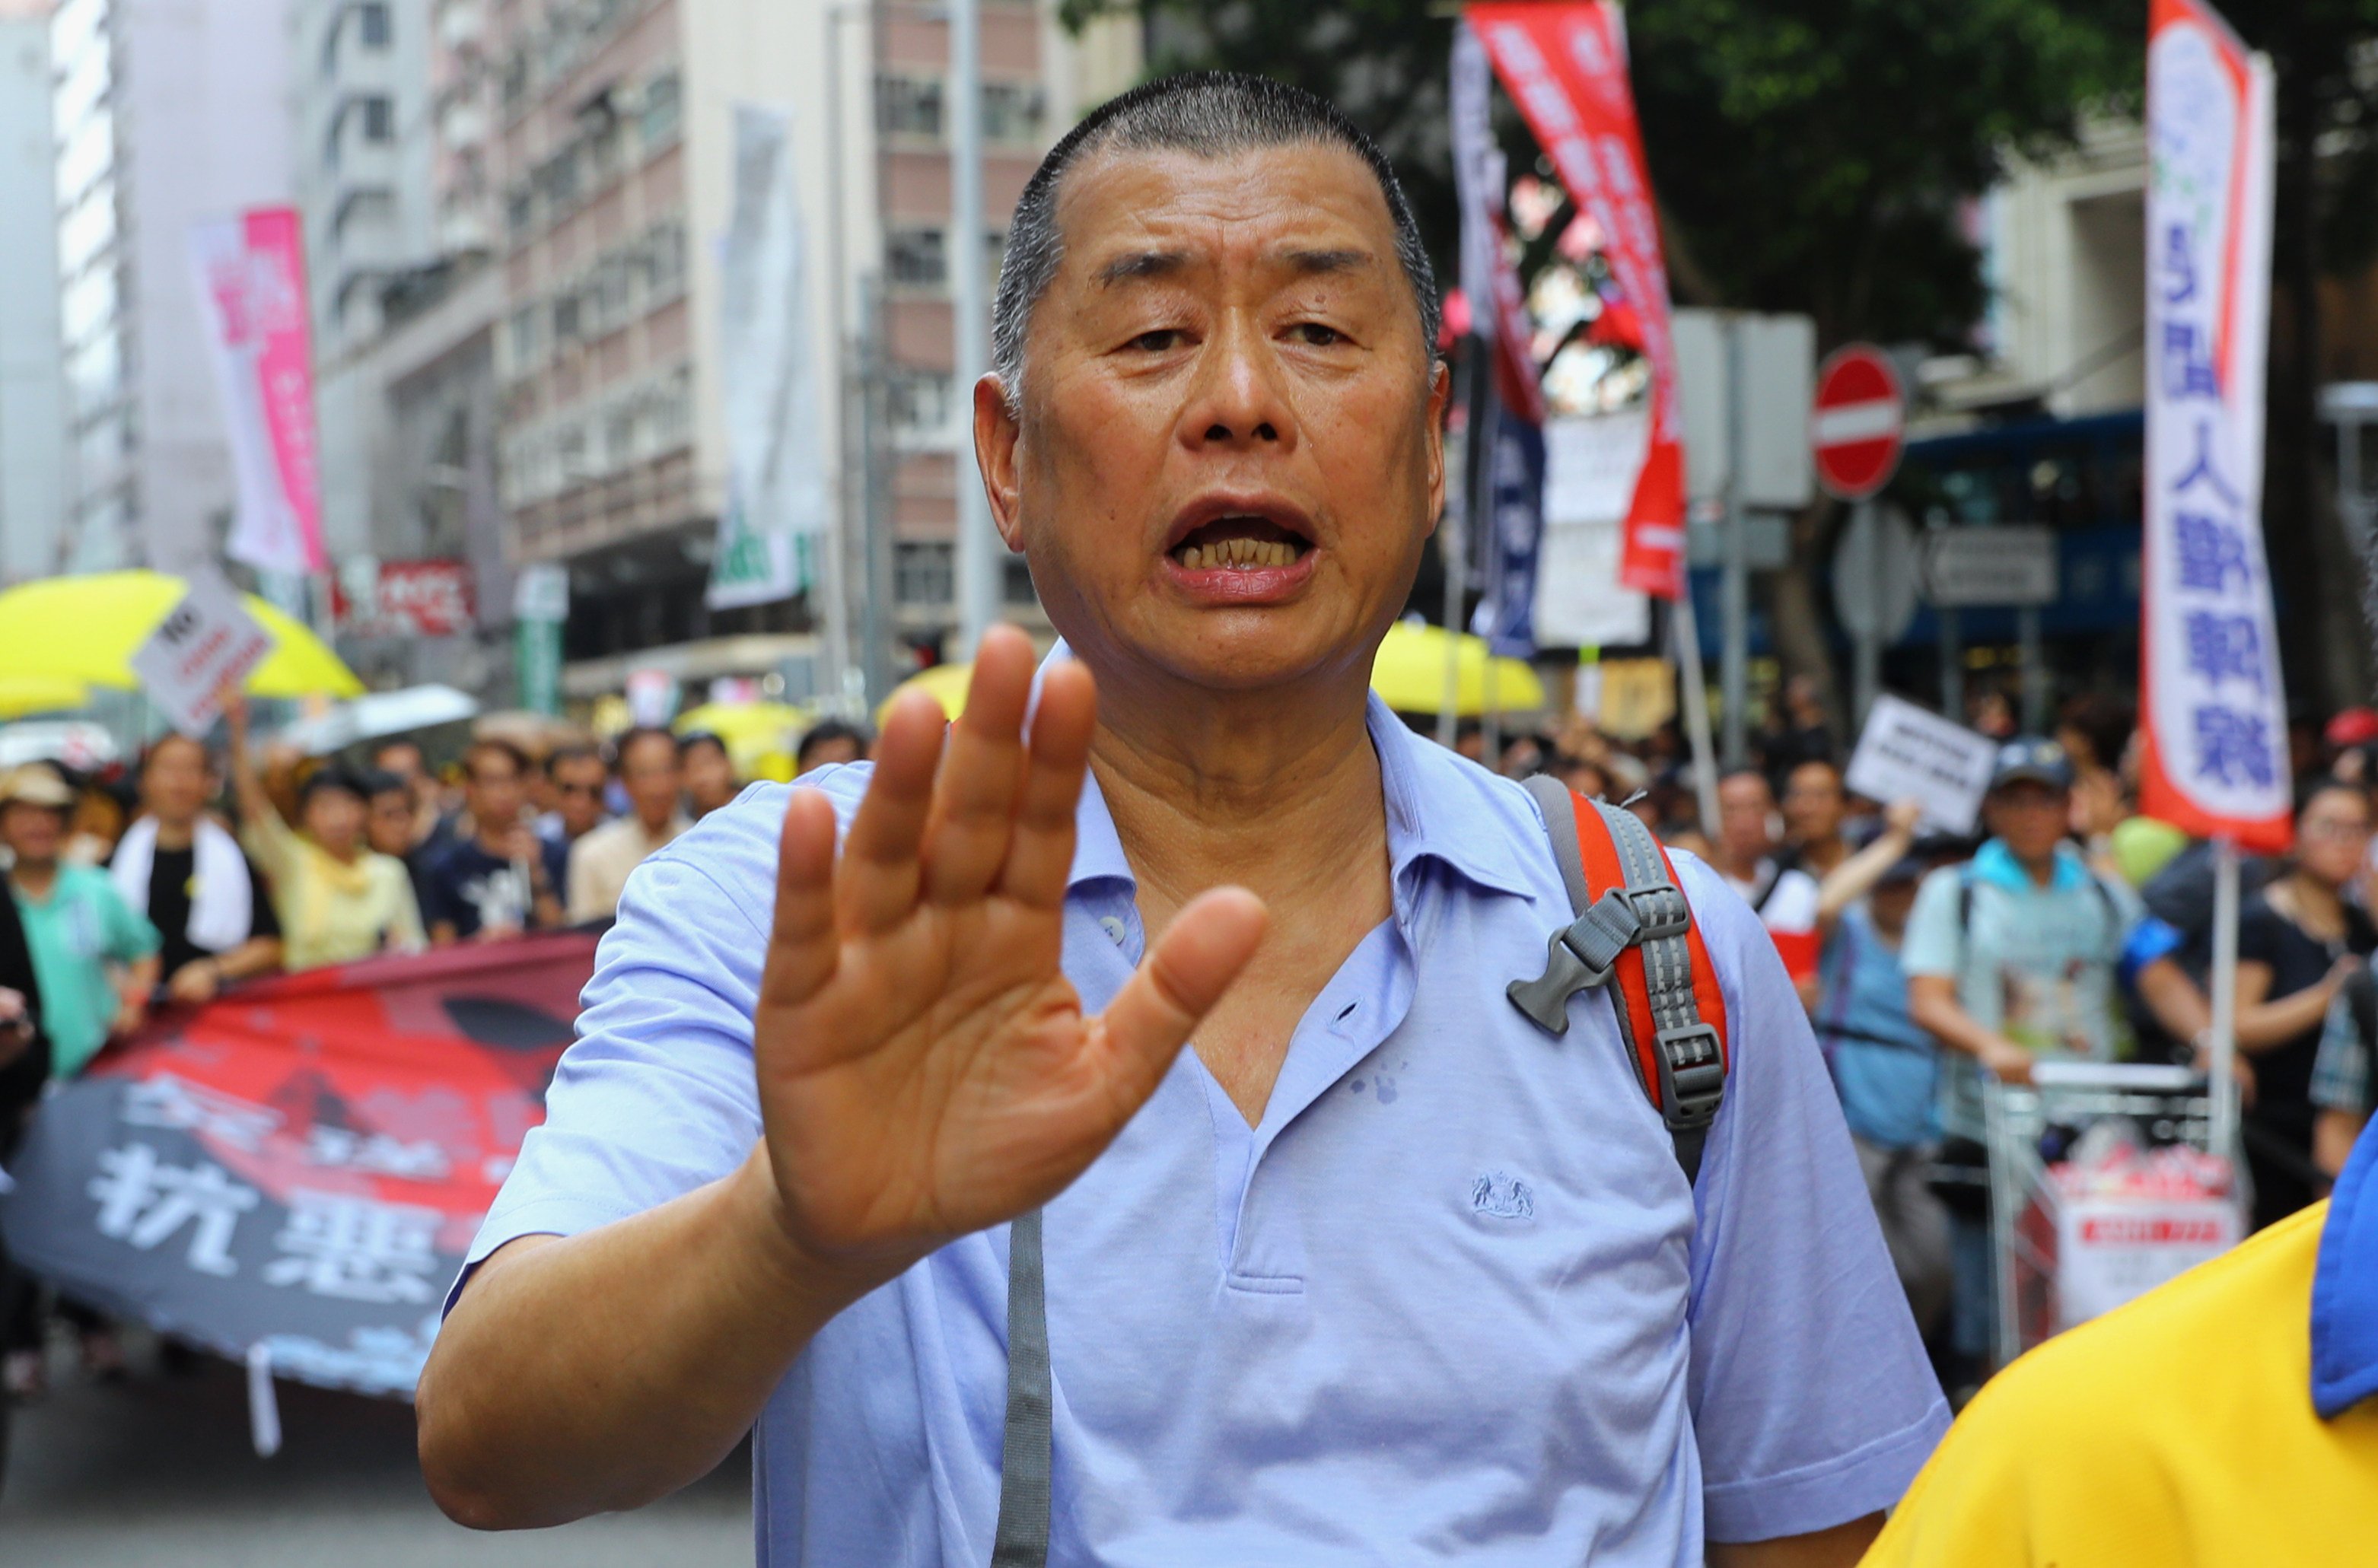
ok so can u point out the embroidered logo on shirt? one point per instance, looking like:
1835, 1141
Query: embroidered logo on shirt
1504, 1197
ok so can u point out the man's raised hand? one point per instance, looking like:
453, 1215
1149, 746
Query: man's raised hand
925, 1068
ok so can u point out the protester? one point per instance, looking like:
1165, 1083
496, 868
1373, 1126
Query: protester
2342, 1080
337, 898
1885, 1067
2229, 1416
24, 1070
405, 761
1784, 896
498, 881
2012, 956
100, 810
94, 955
649, 771
710, 781
829, 741
576, 776
188, 874
2298, 940
1815, 805
1444, 1246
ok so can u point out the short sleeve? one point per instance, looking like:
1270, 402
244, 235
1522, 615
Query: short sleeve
2258, 933
655, 1098
1933, 945
1812, 1399
129, 934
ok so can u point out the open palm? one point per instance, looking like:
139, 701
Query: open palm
925, 1068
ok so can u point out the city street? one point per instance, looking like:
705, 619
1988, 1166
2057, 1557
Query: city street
158, 1473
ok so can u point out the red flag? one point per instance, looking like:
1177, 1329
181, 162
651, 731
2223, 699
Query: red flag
1566, 67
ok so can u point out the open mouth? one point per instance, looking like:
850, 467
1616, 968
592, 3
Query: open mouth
1239, 543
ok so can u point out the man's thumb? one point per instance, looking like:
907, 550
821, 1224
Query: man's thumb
1184, 974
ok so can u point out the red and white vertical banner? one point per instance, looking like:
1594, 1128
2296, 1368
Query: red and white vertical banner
250, 272
2215, 717
1566, 67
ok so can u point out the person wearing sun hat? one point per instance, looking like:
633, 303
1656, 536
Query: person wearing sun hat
96, 957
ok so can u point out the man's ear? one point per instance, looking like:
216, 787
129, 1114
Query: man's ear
995, 434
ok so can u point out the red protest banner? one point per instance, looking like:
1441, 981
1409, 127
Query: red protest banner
1566, 67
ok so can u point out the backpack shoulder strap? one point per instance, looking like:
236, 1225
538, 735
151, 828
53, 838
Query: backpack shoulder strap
1633, 926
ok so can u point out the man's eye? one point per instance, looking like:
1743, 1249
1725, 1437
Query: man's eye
1158, 340
1316, 335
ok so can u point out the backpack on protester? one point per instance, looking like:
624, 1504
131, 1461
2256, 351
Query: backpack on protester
1633, 927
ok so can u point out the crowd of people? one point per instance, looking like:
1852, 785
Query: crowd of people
2069, 926
201, 869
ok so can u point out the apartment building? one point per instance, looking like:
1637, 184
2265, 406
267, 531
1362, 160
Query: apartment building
32, 393
163, 113
615, 148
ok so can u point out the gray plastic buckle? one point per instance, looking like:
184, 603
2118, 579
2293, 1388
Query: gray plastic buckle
1660, 911
1692, 1077
1578, 958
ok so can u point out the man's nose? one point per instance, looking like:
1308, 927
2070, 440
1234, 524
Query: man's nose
1237, 400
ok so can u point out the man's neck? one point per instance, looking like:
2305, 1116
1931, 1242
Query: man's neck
2042, 871
1744, 868
1819, 855
173, 835
1280, 794
653, 828
34, 876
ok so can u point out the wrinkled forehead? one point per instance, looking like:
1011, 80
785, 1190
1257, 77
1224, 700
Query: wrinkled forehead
1128, 216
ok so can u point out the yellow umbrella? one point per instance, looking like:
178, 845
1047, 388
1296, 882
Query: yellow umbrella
946, 684
87, 628
1410, 674
760, 737
21, 695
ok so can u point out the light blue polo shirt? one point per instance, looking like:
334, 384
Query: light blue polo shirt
1450, 1300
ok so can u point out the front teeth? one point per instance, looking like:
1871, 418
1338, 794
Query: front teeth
1239, 553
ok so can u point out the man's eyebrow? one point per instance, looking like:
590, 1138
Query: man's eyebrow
1141, 264
1312, 261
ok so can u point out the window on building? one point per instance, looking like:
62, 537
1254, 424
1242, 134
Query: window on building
667, 248
379, 118
657, 124
1012, 111
908, 106
917, 400
372, 24
923, 573
915, 259
565, 319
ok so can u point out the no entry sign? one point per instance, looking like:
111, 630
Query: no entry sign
1854, 426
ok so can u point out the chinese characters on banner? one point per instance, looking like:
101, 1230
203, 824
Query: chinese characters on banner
1566, 67
250, 272
2216, 743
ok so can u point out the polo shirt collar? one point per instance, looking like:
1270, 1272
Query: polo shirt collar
2344, 1288
1994, 862
1433, 815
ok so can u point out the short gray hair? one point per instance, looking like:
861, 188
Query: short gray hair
1211, 115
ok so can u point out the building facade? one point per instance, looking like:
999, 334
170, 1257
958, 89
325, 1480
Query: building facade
164, 113
32, 392
615, 151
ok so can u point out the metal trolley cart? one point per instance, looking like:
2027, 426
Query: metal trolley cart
2030, 1216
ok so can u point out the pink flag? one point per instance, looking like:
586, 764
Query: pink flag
250, 272
1566, 67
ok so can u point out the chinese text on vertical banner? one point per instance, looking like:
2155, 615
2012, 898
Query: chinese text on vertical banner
1565, 65
2217, 760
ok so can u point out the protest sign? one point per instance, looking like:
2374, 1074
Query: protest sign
1906, 753
207, 640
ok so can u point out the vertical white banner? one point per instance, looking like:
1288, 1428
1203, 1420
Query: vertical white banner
2216, 715
771, 531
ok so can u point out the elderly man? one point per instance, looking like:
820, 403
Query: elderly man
1380, 1269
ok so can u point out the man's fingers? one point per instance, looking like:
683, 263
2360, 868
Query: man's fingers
974, 798
1041, 850
1186, 974
877, 884
802, 943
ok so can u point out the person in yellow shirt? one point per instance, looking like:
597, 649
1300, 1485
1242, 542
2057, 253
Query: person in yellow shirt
338, 899
2230, 1418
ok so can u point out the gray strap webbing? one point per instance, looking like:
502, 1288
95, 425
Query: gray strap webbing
1649, 913
1025, 1450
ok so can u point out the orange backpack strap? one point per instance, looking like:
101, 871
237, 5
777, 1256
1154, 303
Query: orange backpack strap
1633, 926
